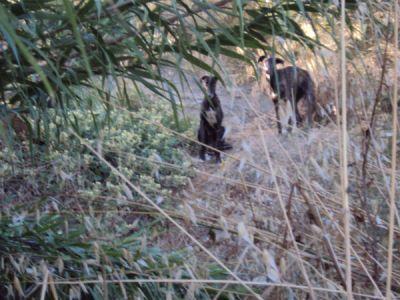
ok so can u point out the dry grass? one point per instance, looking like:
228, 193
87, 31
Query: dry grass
275, 214
240, 200
272, 212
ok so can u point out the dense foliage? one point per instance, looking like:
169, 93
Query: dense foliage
49, 46
67, 210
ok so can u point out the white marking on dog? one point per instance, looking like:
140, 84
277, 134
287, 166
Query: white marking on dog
285, 113
211, 117
263, 82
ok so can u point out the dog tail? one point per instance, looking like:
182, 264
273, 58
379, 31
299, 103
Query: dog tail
312, 107
224, 146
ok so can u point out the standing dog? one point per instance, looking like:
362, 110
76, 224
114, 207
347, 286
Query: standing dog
211, 131
290, 84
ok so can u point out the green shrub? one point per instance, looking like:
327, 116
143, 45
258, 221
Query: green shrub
64, 210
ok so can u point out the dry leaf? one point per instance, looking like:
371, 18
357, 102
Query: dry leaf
189, 212
243, 233
272, 268
127, 192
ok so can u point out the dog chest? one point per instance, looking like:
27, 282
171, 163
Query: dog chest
211, 116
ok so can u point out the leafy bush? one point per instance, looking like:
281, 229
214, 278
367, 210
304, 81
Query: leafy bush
79, 223
129, 140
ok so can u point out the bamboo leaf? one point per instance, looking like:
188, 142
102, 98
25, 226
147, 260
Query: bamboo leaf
74, 24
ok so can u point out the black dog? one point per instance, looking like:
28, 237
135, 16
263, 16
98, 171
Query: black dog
211, 131
290, 84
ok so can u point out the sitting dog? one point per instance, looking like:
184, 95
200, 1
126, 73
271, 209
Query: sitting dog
211, 132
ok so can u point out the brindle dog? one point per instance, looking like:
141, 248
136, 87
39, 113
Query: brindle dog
290, 84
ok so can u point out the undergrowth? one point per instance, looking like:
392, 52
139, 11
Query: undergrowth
67, 217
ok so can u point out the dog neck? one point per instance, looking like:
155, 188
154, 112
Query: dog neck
210, 95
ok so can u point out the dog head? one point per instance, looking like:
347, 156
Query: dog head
209, 84
268, 64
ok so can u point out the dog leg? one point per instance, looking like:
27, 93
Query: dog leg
287, 115
311, 109
217, 157
299, 119
201, 136
216, 144
202, 153
278, 122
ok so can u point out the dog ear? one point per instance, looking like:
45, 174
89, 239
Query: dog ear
204, 78
261, 58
